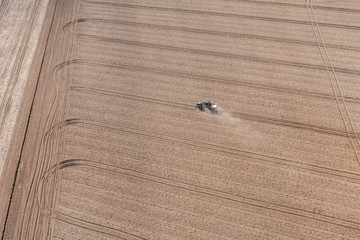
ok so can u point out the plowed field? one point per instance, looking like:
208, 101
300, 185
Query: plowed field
115, 148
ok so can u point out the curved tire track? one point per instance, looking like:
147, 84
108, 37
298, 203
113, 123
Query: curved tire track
49, 149
259, 204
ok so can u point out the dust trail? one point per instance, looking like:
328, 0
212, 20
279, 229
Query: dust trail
237, 126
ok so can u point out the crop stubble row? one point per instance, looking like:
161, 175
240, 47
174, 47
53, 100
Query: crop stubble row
116, 159
102, 102
158, 90
101, 105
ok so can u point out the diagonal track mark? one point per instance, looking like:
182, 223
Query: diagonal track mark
333, 77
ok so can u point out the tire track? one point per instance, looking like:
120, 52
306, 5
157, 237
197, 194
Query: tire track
45, 152
238, 157
258, 204
98, 228
70, 53
53, 143
293, 124
214, 54
240, 115
295, 5
195, 174
212, 79
286, 146
5, 104
333, 77
49, 149
297, 32
275, 121
223, 149
79, 143
220, 14
178, 229
68, 28
173, 225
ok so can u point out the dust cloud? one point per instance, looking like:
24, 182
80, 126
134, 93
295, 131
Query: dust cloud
227, 120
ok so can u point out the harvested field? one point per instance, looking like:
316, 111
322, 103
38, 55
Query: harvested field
20, 27
115, 148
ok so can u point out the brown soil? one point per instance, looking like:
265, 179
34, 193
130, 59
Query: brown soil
115, 148
20, 23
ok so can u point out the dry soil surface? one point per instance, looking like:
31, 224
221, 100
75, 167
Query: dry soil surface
20, 27
116, 150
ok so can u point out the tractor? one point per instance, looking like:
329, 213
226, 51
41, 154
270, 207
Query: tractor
206, 104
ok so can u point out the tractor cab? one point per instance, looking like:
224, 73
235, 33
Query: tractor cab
207, 104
